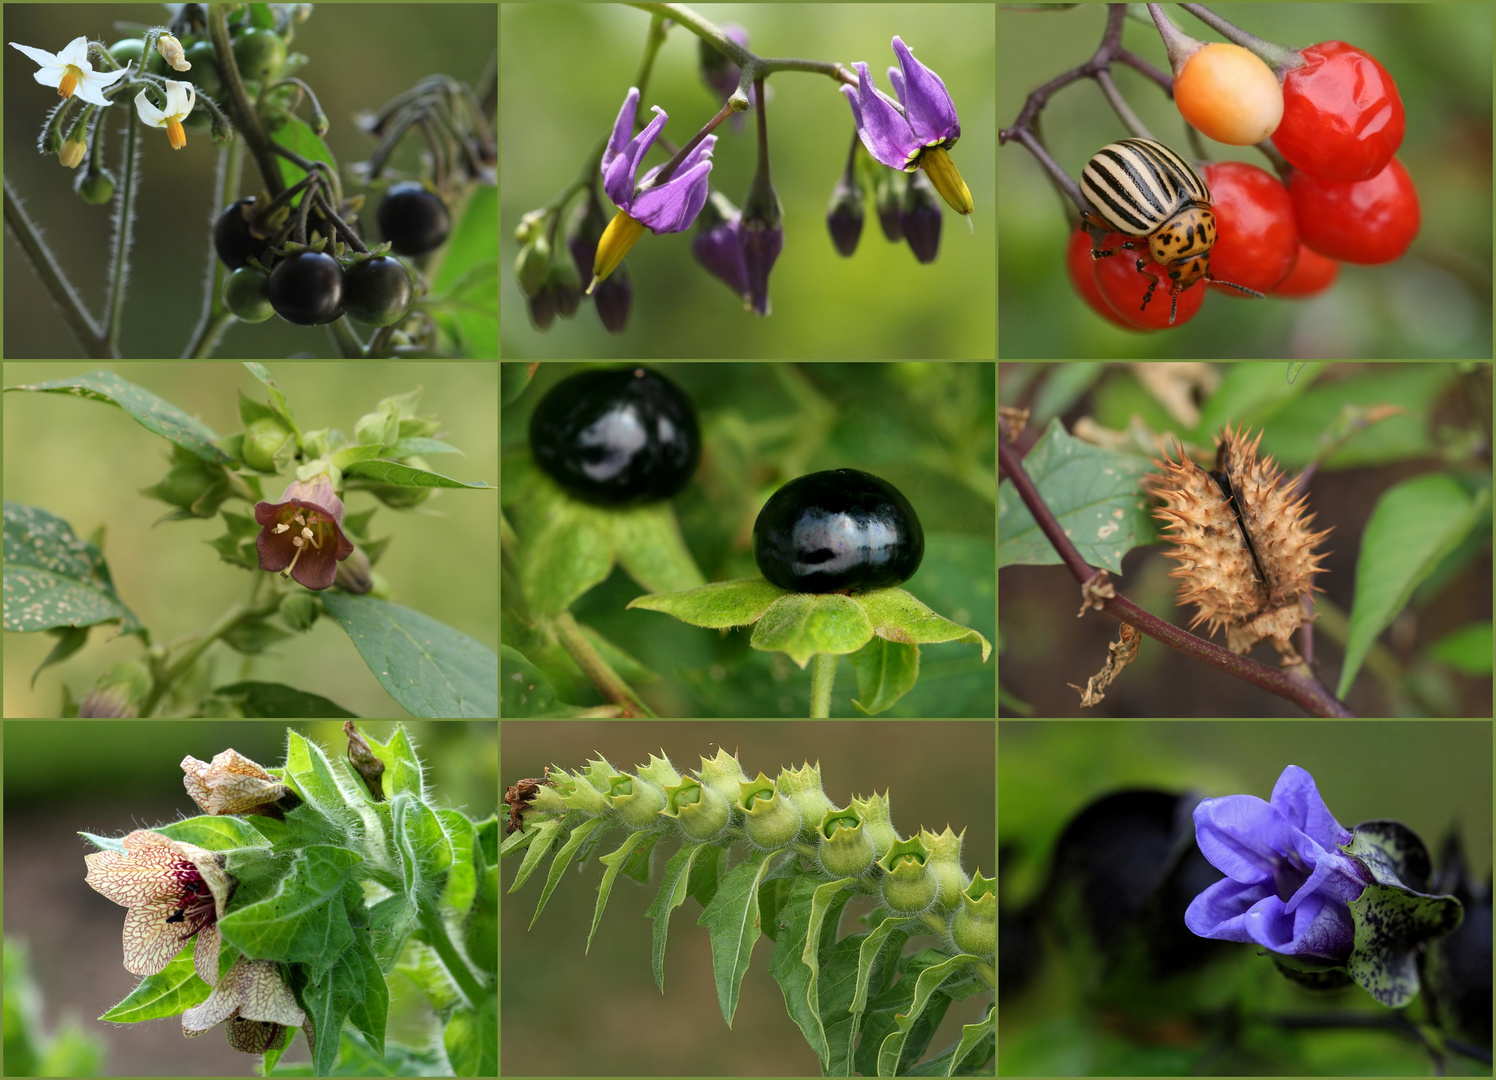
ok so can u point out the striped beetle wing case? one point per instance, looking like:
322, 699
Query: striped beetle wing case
1245, 550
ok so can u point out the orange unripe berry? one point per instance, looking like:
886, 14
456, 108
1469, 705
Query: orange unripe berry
1229, 94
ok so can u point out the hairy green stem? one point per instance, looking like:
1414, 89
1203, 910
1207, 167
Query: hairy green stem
237, 611
119, 269
68, 302
215, 317
822, 676
436, 936
608, 682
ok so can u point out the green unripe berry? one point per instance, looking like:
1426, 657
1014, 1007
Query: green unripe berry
265, 440
204, 74
974, 923
246, 293
96, 188
908, 886
771, 819
299, 610
845, 848
260, 54
130, 50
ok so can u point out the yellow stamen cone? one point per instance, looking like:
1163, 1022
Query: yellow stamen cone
620, 235
946, 177
69, 82
174, 134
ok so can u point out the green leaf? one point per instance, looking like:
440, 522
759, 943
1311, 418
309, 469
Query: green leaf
254, 636
892, 1049
793, 922
174, 989
1467, 650
305, 920
69, 640
887, 938
718, 605
732, 920
615, 860
1093, 494
54, 579
514, 380
898, 616
370, 1012
329, 998
398, 474
462, 881
405, 448
425, 665
403, 769
149, 411
309, 770
800, 625
523, 688
468, 275
214, 832
825, 907
536, 841
472, 1040
297, 136
648, 544
977, 1044
886, 671
265, 700
563, 860
671, 895
1412, 527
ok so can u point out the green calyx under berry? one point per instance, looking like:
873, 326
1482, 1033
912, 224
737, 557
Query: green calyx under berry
974, 922
846, 850
771, 819
908, 885
701, 812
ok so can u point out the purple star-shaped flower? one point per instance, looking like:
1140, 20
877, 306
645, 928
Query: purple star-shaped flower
1287, 882
664, 206
918, 137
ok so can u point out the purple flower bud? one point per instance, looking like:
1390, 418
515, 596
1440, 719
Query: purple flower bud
922, 216
614, 298
888, 197
716, 245
844, 217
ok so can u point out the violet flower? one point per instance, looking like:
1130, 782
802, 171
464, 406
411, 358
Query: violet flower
661, 206
302, 535
919, 136
1287, 882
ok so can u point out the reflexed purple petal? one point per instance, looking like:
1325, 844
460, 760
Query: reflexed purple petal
932, 114
883, 131
618, 174
1220, 911
673, 206
1296, 795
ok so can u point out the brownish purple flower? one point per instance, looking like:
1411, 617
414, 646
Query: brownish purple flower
256, 1002
302, 535
232, 784
173, 890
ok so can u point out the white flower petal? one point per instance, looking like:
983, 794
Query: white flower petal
41, 56
76, 53
148, 112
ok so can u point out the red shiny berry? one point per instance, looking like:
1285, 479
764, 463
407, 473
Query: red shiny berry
1369, 222
1313, 273
1257, 239
1124, 287
1342, 116
1078, 264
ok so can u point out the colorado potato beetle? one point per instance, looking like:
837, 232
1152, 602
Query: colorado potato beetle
1141, 188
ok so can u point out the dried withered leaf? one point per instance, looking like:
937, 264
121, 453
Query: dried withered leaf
1244, 545
519, 795
1120, 653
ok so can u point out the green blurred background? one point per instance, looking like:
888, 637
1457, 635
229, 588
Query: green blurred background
564, 71
1430, 775
925, 428
109, 777
935, 773
361, 55
86, 462
1433, 302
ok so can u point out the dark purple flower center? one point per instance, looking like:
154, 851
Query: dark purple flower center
1288, 877
308, 529
195, 906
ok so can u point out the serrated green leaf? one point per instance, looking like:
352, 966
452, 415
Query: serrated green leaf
1413, 525
149, 411
793, 921
615, 860
399, 474
305, 920
718, 605
898, 616
174, 989
403, 770
539, 840
370, 1013
309, 770
732, 920
1093, 494
892, 1047
671, 895
800, 625
563, 860
53, 579
427, 666
273, 700
462, 883
978, 1043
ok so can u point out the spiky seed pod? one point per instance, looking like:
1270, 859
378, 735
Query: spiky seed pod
1245, 548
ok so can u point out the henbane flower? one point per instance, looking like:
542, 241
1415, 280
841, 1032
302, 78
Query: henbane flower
232, 784
70, 71
1287, 882
180, 97
661, 206
919, 136
256, 1002
174, 891
302, 535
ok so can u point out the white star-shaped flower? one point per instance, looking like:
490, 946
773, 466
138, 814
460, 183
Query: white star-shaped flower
180, 97
71, 72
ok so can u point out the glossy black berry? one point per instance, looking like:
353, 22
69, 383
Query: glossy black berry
837, 530
232, 239
307, 288
377, 291
615, 437
413, 219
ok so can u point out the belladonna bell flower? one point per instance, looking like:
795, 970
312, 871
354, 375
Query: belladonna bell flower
1287, 882
659, 205
71, 72
174, 891
180, 97
302, 535
920, 136
256, 1002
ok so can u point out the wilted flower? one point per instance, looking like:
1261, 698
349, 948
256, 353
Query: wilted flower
180, 97
71, 72
174, 890
256, 1002
663, 207
171, 51
919, 136
1287, 882
302, 535
232, 784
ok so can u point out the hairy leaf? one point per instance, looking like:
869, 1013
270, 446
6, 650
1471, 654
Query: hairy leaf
732, 919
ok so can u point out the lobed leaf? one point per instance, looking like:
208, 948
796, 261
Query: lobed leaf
615, 861
305, 920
